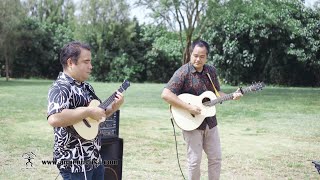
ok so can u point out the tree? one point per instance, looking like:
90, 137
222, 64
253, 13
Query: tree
276, 41
162, 56
10, 14
46, 28
188, 16
53, 11
39, 55
106, 27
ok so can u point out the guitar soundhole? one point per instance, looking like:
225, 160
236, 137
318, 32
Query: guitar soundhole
86, 123
204, 100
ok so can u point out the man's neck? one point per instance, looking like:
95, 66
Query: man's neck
70, 75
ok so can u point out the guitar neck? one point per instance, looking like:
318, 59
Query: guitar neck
226, 97
108, 101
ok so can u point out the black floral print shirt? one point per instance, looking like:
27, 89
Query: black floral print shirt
67, 93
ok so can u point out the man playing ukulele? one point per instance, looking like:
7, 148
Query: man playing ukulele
68, 97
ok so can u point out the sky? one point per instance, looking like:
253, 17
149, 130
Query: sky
140, 13
309, 2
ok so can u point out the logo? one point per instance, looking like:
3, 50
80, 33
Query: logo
29, 156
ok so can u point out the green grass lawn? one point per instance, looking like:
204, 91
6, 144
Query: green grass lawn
271, 134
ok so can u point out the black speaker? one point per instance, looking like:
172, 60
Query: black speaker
112, 153
110, 127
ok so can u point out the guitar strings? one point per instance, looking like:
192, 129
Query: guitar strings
111, 98
224, 98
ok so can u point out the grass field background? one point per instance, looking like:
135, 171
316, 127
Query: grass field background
271, 134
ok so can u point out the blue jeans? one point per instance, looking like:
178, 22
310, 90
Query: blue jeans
94, 174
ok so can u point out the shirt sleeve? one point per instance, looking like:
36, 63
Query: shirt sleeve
58, 98
176, 82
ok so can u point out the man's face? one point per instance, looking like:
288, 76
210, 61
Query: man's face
198, 57
82, 69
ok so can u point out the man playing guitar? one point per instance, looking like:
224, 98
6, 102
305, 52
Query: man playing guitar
193, 78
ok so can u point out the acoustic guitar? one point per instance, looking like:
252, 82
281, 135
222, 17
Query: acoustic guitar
206, 101
88, 128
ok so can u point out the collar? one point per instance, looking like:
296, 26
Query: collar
193, 70
71, 80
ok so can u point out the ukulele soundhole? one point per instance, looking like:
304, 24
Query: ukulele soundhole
204, 100
86, 123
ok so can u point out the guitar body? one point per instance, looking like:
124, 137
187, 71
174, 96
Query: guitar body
187, 121
206, 101
88, 130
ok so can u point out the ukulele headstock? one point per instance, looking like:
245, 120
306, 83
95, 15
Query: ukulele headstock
257, 86
125, 85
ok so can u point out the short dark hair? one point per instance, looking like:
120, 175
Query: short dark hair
199, 43
72, 50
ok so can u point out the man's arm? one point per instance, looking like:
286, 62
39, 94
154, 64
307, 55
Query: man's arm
68, 117
173, 100
236, 95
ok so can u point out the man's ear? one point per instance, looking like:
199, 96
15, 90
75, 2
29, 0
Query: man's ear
69, 63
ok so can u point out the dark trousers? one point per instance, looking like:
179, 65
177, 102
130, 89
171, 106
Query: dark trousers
94, 174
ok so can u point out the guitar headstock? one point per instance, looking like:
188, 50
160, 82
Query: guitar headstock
257, 86
125, 85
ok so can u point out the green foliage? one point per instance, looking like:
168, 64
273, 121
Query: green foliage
39, 57
123, 49
10, 14
275, 41
164, 57
149, 55
187, 17
53, 11
106, 27
43, 33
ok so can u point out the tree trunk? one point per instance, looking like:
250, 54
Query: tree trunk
186, 54
7, 68
7, 64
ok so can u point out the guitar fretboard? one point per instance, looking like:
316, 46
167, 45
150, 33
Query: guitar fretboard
108, 101
225, 98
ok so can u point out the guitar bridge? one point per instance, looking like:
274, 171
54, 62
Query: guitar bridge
86, 123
